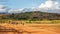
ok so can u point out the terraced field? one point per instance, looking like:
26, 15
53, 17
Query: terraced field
30, 29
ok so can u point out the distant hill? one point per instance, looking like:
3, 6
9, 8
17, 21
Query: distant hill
33, 15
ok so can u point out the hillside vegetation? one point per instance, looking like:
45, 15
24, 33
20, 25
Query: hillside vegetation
31, 17
36, 15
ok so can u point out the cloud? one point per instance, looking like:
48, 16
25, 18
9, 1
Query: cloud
50, 6
15, 10
3, 8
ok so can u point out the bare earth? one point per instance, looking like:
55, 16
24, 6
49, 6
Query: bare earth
30, 29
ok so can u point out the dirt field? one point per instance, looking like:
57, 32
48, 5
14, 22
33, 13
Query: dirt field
30, 29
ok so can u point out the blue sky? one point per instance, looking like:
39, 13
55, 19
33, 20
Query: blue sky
23, 3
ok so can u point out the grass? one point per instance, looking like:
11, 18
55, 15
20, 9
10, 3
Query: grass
32, 22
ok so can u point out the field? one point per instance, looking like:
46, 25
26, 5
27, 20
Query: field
30, 28
31, 22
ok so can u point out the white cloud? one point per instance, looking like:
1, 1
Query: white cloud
50, 6
15, 10
3, 8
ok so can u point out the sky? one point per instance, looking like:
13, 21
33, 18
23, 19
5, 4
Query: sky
53, 5
22, 3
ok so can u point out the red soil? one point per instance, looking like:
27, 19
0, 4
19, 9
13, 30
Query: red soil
35, 28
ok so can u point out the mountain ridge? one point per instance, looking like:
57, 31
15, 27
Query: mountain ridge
33, 15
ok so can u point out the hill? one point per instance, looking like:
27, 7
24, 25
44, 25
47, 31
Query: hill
34, 15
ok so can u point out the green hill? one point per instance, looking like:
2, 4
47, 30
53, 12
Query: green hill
36, 15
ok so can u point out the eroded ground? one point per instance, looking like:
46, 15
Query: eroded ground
30, 29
